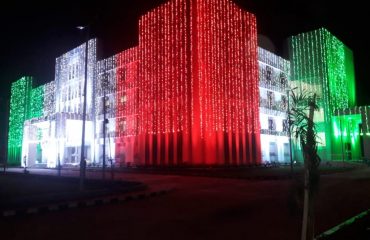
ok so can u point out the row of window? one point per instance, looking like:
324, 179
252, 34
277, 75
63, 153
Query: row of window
272, 124
277, 106
73, 71
271, 103
72, 108
274, 152
71, 92
273, 77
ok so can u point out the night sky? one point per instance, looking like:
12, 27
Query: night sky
34, 33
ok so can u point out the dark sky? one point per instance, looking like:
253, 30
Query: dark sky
34, 33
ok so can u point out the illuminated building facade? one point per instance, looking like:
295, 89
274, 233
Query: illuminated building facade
273, 85
198, 85
322, 64
195, 91
52, 132
118, 77
351, 133
19, 113
187, 95
39, 132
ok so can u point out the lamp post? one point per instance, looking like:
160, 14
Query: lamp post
59, 165
82, 160
7, 113
289, 133
341, 138
105, 85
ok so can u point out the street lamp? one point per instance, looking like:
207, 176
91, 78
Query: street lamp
105, 121
7, 113
82, 160
289, 132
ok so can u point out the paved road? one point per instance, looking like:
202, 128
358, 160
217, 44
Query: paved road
199, 208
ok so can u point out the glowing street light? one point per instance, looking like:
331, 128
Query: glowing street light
82, 160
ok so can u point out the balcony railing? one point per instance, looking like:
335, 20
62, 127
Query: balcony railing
278, 106
273, 85
274, 132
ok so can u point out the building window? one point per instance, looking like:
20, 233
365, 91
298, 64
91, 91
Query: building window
123, 126
283, 80
77, 71
273, 152
271, 124
73, 72
286, 152
270, 99
122, 74
124, 98
268, 74
285, 125
284, 103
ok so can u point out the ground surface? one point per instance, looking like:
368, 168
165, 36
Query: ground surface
200, 208
19, 190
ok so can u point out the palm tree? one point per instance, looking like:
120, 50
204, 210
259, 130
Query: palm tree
303, 129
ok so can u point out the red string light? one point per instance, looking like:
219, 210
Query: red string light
198, 98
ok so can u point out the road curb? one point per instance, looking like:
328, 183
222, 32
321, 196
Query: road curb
342, 225
82, 204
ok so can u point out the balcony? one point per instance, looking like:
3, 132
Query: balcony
274, 133
276, 108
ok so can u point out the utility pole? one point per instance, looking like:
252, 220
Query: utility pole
110, 159
105, 83
290, 135
6, 134
341, 138
59, 165
82, 160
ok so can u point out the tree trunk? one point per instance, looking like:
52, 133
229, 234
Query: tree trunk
308, 210
305, 205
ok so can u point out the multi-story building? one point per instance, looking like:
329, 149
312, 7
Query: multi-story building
323, 65
195, 91
273, 87
52, 132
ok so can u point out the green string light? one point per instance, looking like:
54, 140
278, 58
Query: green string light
37, 102
19, 112
322, 64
